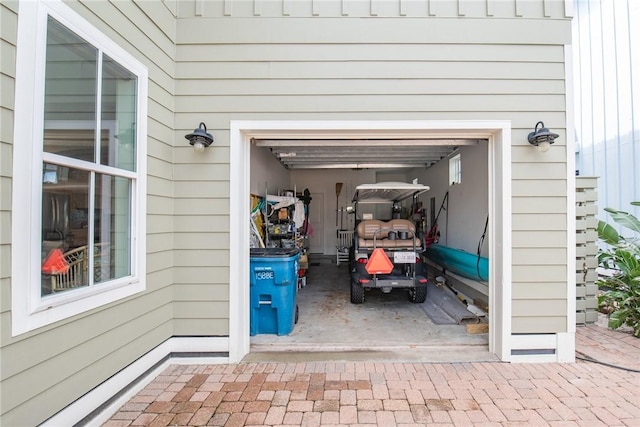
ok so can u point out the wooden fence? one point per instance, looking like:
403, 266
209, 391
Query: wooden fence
586, 249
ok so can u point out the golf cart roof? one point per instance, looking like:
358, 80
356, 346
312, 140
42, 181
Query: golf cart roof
387, 192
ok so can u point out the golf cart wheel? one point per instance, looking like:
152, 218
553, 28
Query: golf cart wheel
357, 293
418, 294
297, 315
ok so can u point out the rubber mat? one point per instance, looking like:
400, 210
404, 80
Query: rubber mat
444, 308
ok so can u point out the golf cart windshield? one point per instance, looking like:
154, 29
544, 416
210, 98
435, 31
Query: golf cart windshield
387, 192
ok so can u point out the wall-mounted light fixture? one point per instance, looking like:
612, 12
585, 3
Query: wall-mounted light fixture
542, 137
200, 138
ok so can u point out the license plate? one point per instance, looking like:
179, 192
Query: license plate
404, 257
264, 275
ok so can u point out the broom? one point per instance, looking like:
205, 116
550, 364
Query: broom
338, 191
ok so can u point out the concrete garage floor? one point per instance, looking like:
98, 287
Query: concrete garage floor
387, 327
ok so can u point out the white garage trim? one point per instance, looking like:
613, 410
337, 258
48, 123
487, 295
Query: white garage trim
567, 353
497, 132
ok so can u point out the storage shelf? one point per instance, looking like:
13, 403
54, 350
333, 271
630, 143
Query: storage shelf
282, 235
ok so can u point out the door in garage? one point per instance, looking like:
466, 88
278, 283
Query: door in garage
316, 219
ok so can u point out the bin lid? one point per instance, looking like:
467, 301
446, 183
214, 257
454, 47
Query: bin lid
273, 252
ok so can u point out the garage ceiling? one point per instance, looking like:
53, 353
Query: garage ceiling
360, 153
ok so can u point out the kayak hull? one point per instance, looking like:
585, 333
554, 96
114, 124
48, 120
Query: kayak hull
459, 262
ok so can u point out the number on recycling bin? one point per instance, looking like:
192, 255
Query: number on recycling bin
264, 275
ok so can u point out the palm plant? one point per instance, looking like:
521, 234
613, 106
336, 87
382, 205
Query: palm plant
620, 297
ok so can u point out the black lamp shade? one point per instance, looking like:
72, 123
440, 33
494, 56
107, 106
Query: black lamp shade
200, 135
541, 135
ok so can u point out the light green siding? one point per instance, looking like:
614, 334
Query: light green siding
262, 65
8, 36
214, 62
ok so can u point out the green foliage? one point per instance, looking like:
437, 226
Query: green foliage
608, 233
625, 219
621, 291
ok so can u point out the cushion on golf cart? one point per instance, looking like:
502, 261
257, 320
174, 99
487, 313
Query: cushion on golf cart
373, 233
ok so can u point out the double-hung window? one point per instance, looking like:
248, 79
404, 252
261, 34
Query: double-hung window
79, 175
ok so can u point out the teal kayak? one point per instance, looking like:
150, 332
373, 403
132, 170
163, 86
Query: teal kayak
459, 262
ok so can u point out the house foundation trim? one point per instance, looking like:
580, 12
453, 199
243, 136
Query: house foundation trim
98, 405
538, 348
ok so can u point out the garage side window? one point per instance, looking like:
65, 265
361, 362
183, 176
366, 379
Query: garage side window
85, 172
455, 170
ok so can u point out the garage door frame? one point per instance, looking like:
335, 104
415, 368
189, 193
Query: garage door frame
497, 132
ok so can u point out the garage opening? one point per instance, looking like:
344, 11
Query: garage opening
302, 186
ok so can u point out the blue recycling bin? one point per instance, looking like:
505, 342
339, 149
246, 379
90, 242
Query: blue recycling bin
274, 288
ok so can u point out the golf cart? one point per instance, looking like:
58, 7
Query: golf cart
386, 254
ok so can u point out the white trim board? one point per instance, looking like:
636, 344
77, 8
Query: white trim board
568, 353
539, 348
498, 132
138, 375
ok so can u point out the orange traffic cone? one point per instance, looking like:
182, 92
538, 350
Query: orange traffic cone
55, 263
379, 263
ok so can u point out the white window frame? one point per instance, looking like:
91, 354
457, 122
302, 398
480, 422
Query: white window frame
30, 310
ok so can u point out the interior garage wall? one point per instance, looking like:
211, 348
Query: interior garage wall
266, 173
462, 224
324, 182
503, 60
266, 170
384, 211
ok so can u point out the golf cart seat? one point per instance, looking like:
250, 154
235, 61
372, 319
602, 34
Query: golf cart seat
374, 233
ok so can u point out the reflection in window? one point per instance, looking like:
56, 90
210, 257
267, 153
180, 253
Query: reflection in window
113, 227
89, 155
70, 224
119, 107
70, 89
79, 150
65, 216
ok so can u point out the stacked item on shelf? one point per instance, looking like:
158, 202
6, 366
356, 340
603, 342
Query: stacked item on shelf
278, 222
285, 217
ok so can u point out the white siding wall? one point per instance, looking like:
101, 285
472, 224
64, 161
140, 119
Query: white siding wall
607, 88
